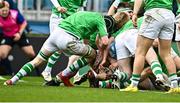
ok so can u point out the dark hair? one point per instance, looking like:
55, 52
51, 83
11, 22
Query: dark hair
2, 4
110, 24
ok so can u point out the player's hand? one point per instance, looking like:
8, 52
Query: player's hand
101, 76
61, 9
113, 66
134, 20
17, 36
101, 65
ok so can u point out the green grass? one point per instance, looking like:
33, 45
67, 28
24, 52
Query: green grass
33, 91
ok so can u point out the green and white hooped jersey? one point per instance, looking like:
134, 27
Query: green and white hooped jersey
71, 5
83, 24
149, 4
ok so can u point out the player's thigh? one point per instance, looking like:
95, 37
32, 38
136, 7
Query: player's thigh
5, 49
125, 65
77, 47
28, 50
143, 45
151, 56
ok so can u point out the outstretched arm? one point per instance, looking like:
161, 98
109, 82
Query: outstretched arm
137, 6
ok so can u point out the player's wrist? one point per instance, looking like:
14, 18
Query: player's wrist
20, 33
58, 8
134, 13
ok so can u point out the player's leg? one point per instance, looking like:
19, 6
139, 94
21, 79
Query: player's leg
143, 45
168, 60
87, 56
51, 61
177, 36
5, 47
125, 69
30, 66
153, 61
166, 35
26, 47
53, 23
72, 59
51, 45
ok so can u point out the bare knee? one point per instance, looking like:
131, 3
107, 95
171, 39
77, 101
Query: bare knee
31, 54
28, 50
3, 55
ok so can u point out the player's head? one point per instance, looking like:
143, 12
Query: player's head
126, 10
4, 10
121, 18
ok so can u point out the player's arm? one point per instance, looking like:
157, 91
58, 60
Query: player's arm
106, 50
111, 10
113, 7
137, 6
57, 5
23, 23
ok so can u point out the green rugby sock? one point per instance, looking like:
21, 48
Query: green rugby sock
51, 61
135, 79
75, 66
173, 79
156, 68
26, 69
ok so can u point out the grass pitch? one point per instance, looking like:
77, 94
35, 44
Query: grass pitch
32, 91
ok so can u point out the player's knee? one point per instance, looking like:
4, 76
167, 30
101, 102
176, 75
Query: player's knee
32, 54
3, 55
91, 53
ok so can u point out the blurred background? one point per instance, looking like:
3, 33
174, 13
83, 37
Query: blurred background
38, 12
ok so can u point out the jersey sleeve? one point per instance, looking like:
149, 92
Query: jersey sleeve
116, 3
20, 18
101, 26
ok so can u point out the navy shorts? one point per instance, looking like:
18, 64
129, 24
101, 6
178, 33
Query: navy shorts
23, 41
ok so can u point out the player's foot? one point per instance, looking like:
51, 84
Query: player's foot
53, 82
64, 79
8, 82
162, 83
130, 89
46, 76
174, 90
79, 79
178, 79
